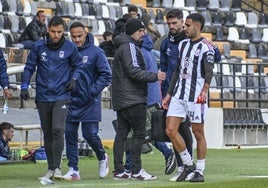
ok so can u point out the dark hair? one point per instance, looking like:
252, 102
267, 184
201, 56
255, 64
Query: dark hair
106, 34
120, 25
5, 125
196, 17
77, 24
132, 8
39, 12
56, 21
174, 13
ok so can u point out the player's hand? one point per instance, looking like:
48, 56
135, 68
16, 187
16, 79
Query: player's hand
7, 93
165, 102
161, 76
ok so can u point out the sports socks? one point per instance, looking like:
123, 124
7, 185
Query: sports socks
186, 158
200, 165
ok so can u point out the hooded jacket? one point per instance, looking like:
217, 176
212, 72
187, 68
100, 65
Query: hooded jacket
154, 93
130, 77
95, 76
108, 48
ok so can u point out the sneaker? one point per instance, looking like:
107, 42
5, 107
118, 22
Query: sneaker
46, 179
174, 178
122, 176
104, 167
143, 175
57, 174
186, 171
48, 175
171, 164
72, 175
197, 177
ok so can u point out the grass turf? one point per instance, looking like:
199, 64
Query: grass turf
230, 168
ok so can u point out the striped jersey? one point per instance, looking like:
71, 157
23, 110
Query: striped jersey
192, 57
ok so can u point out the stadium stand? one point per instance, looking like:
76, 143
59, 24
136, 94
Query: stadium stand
225, 5
238, 80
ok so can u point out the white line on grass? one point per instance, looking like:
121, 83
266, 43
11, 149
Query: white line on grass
259, 176
117, 183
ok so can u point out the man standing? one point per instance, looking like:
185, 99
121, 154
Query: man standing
187, 95
129, 91
34, 31
85, 106
168, 62
57, 63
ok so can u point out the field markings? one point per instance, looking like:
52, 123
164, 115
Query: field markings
257, 176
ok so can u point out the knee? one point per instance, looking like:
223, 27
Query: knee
58, 132
198, 134
90, 136
171, 133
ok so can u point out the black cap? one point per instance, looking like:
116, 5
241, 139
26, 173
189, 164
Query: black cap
133, 25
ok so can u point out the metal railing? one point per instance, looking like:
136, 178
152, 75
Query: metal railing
246, 84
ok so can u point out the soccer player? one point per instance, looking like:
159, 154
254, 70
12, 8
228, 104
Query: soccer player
187, 95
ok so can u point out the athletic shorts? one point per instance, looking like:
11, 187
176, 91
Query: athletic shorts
179, 108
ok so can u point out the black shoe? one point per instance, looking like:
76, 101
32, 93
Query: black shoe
197, 177
186, 171
171, 164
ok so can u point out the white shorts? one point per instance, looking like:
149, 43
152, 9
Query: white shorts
179, 108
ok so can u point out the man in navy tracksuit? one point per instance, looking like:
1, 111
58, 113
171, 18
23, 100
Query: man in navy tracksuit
57, 63
85, 104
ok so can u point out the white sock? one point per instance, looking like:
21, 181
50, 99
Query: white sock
200, 165
186, 158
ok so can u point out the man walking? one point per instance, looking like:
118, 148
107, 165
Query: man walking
168, 62
187, 95
85, 106
129, 91
57, 63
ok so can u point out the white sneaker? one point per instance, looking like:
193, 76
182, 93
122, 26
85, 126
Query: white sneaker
48, 174
72, 175
174, 178
104, 167
143, 175
57, 174
46, 179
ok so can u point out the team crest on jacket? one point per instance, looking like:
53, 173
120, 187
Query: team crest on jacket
168, 51
44, 56
85, 58
61, 54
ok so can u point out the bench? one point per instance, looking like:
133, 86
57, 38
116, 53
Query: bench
26, 129
241, 120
